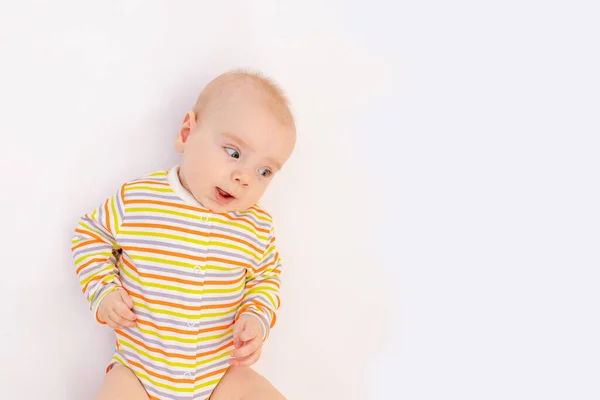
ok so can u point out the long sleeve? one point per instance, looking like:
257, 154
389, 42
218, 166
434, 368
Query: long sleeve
261, 295
95, 250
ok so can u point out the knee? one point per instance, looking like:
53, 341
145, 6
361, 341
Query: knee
252, 385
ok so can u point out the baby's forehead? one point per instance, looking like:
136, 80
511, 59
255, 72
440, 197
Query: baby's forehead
244, 88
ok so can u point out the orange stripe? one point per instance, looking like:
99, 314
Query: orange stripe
148, 182
90, 241
177, 380
98, 277
170, 279
157, 375
275, 259
92, 234
246, 221
107, 216
217, 372
161, 277
130, 265
263, 212
166, 203
221, 236
225, 261
123, 193
270, 281
192, 231
182, 331
93, 260
154, 349
165, 253
221, 305
210, 352
182, 306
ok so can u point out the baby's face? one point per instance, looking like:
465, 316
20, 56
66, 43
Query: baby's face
232, 154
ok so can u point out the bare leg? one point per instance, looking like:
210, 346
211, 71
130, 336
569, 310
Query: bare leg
120, 383
243, 383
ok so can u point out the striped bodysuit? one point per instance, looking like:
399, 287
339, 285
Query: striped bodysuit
190, 273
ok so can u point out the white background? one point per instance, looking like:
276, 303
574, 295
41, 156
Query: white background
439, 219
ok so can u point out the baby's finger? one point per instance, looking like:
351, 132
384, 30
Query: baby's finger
123, 311
238, 328
113, 324
126, 298
120, 320
248, 334
247, 349
246, 361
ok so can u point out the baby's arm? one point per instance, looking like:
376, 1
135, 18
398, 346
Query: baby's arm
95, 250
261, 295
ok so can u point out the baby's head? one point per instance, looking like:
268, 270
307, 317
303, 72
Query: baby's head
236, 139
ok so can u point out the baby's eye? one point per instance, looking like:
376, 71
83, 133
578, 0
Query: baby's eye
232, 152
264, 172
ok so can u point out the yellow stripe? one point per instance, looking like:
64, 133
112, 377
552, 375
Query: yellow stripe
114, 215
160, 286
137, 187
104, 254
123, 342
164, 211
91, 276
177, 339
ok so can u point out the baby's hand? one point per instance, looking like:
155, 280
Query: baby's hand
115, 310
247, 339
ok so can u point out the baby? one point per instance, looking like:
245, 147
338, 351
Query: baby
183, 263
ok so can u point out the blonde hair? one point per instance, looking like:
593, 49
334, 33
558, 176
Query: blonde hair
277, 99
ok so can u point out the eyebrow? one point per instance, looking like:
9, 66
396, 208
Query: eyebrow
242, 143
274, 162
239, 140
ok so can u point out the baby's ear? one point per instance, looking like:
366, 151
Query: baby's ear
187, 126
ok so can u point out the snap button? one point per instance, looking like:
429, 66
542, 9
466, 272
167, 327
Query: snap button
197, 269
188, 375
204, 218
191, 323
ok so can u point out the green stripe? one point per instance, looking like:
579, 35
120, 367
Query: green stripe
163, 261
158, 173
135, 187
224, 354
114, 215
163, 211
249, 229
201, 313
261, 291
159, 285
213, 382
193, 340
103, 235
257, 215
89, 278
104, 254
154, 358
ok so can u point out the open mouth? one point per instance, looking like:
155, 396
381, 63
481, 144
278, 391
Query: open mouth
223, 197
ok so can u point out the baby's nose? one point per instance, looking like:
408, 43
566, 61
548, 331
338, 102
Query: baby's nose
242, 178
